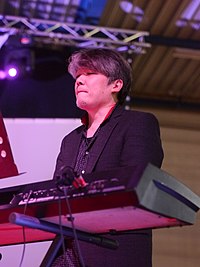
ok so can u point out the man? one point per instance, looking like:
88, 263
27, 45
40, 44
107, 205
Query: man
110, 137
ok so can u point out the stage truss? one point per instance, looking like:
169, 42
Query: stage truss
75, 35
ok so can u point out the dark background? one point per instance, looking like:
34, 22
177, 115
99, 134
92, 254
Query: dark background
46, 92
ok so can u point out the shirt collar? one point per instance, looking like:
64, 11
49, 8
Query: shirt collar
84, 119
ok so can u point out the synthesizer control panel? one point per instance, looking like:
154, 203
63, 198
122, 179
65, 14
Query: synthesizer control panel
52, 192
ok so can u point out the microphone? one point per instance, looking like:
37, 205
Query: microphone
66, 177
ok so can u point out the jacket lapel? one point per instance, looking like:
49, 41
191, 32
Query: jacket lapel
103, 137
73, 147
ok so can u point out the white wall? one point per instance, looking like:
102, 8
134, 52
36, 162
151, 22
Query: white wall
35, 144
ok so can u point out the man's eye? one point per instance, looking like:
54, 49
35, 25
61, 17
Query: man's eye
86, 74
91, 73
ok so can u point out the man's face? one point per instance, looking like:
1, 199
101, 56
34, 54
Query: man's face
92, 90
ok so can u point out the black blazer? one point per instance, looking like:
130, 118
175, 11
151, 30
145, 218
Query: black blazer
127, 138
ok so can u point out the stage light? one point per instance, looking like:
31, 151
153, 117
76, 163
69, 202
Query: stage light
12, 72
15, 68
129, 8
26, 40
18, 56
2, 74
18, 63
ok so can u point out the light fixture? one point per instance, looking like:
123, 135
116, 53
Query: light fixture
12, 71
136, 12
17, 56
190, 16
18, 63
2, 74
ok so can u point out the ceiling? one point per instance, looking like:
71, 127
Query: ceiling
166, 67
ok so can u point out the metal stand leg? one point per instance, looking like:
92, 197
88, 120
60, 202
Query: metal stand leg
35, 223
52, 252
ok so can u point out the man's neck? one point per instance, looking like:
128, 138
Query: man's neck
95, 119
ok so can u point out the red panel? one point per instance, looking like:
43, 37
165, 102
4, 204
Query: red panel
7, 165
118, 211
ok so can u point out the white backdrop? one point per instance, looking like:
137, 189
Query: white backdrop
35, 144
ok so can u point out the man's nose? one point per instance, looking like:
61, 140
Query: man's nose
80, 81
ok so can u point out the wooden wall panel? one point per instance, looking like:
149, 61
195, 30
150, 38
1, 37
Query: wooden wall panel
180, 246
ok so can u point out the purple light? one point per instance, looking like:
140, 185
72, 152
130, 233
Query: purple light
2, 75
12, 72
190, 15
129, 8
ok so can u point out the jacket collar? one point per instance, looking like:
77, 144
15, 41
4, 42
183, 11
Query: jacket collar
103, 137
84, 119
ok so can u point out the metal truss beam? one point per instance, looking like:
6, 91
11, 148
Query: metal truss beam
75, 35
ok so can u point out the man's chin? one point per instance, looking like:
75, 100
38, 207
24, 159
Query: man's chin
81, 104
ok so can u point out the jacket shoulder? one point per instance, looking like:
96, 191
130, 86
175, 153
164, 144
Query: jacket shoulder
138, 115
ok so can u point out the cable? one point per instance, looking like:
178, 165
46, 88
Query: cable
60, 225
67, 177
71, 219
23, 230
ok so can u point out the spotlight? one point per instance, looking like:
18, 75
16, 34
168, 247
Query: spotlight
15, 68
12, 72
2, 75
135, 11
18, 63
18, 56
26, 40
20, 40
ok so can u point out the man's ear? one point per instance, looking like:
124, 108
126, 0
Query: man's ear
117, 86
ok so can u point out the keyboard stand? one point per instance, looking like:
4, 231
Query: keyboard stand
33, 222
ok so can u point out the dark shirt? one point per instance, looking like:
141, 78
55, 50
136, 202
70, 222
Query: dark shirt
83, 154
87, 143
